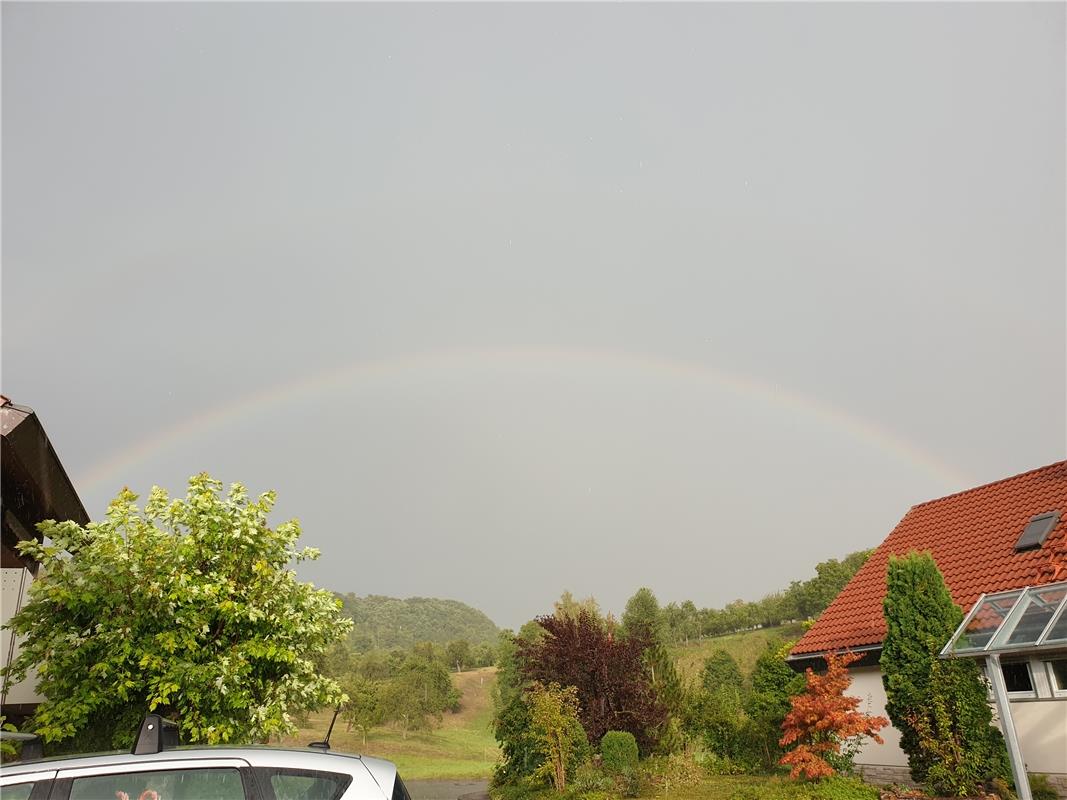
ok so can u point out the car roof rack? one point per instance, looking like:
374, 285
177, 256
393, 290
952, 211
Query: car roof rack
155, 736
32, 746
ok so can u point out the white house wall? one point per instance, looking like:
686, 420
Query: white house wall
1041, 725
867, 686
14, 592
1042, 729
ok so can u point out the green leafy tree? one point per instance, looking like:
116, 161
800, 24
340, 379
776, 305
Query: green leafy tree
721, 672
363, 709
773, 684
419, 694
717, 718
429, 652
554, 720
941, 710
485, 655
568, 607
337, 661
188, 608
643, 618
521, 751
511, 678
458, 654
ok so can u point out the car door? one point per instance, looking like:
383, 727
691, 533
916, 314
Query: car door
171, 779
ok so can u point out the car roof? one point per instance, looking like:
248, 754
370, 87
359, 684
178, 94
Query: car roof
383, 772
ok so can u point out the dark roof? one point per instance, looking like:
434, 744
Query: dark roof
971, 535
35, 486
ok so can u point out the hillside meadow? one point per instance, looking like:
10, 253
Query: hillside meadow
461, 747
745, 647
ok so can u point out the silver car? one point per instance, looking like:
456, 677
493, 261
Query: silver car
205, 773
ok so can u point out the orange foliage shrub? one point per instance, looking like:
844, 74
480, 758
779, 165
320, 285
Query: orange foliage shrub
823, 718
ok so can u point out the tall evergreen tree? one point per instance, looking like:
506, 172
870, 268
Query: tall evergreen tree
920, 617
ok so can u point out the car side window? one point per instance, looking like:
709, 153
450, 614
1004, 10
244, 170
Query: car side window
175, 784
400, 791
302, 784
17, 791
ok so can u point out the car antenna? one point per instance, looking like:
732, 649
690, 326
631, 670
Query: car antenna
325, 743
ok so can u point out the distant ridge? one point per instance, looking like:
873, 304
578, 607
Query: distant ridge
389, 622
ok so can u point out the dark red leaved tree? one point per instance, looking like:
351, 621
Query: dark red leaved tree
614, 691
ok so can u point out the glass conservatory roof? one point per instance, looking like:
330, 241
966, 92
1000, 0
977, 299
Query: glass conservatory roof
1020, 620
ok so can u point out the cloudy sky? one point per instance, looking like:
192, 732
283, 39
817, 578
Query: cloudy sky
510, 299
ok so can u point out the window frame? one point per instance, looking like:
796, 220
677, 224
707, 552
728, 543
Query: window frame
266, 788
1050, 673
64, 781
41, 783
1029, 694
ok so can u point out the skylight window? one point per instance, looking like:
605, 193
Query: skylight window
1058, 632
1031, 618
1034, 618
1037, 529
984, 621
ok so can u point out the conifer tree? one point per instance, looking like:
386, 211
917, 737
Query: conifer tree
920, 617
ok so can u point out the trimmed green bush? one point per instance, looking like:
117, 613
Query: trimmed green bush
618, 749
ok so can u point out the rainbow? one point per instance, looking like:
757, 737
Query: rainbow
119, 466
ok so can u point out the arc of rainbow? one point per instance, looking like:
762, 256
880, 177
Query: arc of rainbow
282, 394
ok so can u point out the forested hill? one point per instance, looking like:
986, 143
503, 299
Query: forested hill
389, 622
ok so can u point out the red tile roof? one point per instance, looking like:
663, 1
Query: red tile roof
971, 536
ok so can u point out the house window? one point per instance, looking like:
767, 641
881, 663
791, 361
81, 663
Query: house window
1017, 678
1057, 676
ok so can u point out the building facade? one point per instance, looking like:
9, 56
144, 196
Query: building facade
1005, 535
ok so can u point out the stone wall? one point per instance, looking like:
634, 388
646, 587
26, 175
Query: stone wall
883, 775
1059, 783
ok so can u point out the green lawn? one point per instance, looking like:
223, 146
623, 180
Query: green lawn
461, 747
751, 787
745, 647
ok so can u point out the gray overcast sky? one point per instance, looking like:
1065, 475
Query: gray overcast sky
510, 299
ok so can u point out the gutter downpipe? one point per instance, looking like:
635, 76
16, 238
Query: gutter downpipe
1015, 755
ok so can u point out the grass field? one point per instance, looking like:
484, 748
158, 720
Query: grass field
462, 747
745, 647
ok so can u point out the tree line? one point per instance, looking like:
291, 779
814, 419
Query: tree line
387, 623
802, 600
